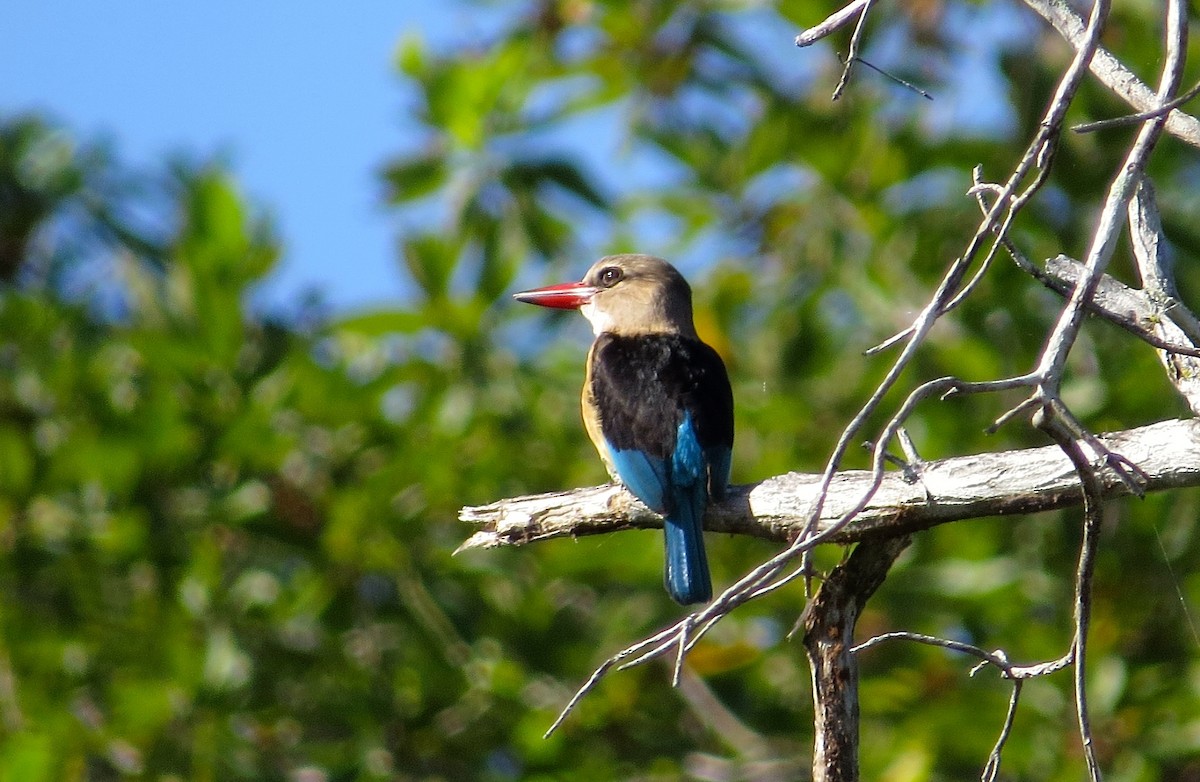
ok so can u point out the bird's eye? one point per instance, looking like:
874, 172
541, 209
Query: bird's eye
610, 276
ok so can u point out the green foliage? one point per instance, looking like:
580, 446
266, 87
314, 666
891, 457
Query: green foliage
226, 540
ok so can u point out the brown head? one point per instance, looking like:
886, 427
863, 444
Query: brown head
625, 294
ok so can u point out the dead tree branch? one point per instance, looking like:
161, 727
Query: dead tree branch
962, 487
832, 24
829, 623
1112, 73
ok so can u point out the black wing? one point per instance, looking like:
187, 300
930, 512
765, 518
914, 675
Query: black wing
644, 385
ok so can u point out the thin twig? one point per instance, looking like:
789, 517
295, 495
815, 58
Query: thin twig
852, 55
997, 659
991, 770
1136, 311
1175, 580
1112, 72
685, 629
1049, 421
1134, 119
592, 681
902, 82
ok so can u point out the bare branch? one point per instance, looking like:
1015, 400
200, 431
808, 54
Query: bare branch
1112, 73
829, 624
963, 487
1170, 320
852, 54
1050, 421
1154, 261
836, 21
1155, 265
998, 659
1127, 178
1141, 314
1131, 309
1133, 119
992, 770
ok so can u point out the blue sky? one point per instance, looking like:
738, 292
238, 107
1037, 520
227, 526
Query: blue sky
301, 98
303, 101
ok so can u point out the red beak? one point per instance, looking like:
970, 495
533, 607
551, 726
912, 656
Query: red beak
565, 296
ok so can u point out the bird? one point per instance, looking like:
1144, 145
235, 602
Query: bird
657, 403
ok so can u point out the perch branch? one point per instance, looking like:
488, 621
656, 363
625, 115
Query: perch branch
962, 487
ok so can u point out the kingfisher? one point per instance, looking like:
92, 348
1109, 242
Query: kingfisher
656, 401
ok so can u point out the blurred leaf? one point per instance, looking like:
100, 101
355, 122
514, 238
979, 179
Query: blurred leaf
16, 463
382, 322
415, 177
431, 261
410, 55
29, 755
530, 174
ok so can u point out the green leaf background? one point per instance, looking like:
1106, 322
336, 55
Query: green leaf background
226, 538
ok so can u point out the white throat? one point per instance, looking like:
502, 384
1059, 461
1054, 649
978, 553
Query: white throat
601, 321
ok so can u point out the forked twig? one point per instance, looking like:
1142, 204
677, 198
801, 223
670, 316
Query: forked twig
852, 55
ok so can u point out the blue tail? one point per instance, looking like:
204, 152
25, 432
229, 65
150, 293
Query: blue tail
687, 576
678, 489
687, 566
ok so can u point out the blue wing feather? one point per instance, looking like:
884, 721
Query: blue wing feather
642, 474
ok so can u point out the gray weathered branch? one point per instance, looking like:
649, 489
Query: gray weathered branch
1153, 318
962, 487
829, 624
1108, 69
1112, 72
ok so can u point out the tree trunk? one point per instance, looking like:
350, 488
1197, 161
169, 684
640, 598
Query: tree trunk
829, 622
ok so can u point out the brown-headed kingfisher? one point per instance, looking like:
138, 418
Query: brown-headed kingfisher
656, 401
